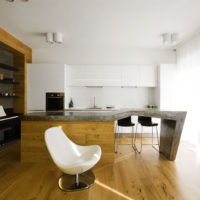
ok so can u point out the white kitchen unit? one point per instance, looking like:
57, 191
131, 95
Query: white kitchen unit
42, 78
76, 75
113, 75
130, 76
148, 76
139, 76
167, 90
93, 75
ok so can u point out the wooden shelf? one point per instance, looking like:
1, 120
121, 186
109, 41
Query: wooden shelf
9, 96
9, 82
8, 67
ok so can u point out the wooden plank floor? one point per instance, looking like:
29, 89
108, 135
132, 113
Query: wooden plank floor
148, 176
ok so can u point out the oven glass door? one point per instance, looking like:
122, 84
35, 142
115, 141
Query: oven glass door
55, 103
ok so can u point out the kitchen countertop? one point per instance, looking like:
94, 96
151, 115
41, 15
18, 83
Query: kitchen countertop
171, 126
101, 115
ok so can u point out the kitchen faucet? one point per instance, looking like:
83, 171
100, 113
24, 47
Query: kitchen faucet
94, 102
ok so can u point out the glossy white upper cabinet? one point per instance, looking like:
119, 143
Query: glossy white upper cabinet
139, 76
76, 75
93, 75
113, 75
148, 76
130, 76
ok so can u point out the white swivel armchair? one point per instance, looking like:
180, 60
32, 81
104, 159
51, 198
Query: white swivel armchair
72, 159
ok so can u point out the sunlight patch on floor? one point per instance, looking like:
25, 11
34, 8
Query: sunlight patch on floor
113, 190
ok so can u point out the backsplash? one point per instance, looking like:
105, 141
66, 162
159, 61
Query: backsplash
110, 96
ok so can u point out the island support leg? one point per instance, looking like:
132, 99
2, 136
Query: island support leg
170, 137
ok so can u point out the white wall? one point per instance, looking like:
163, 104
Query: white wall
118, 55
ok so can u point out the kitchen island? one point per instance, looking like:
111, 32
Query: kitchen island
94, 127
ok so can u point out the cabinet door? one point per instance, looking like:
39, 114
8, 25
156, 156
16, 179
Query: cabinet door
111, 75
76, 75
148, 76
93, 75
130, 75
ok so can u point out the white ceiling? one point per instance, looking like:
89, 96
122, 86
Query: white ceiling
100, 23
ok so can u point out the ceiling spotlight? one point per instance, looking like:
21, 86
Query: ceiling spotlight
174, 38
166, 38
54, 37
170, 38
49, 38
58, 37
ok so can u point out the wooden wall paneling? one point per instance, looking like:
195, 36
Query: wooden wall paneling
22, 55
13, 44
19, 103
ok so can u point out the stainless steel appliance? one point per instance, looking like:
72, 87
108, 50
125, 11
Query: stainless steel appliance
55, 101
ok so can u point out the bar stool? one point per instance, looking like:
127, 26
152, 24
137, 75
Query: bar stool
145, 122
125, 122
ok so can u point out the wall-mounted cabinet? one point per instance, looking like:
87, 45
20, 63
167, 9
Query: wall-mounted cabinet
93, 75
130, 76
113, 75
76, 75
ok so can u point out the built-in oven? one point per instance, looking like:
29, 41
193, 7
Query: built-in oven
55, 101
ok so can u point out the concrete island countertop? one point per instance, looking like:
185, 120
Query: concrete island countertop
101, 115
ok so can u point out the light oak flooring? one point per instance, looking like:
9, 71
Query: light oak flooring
148, 176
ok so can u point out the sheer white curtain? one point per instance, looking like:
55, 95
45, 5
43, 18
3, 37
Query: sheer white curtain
188, 88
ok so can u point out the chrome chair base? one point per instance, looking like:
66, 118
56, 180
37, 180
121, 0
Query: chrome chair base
70, 183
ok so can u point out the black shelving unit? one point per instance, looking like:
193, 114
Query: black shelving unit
9, 81
8, 67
